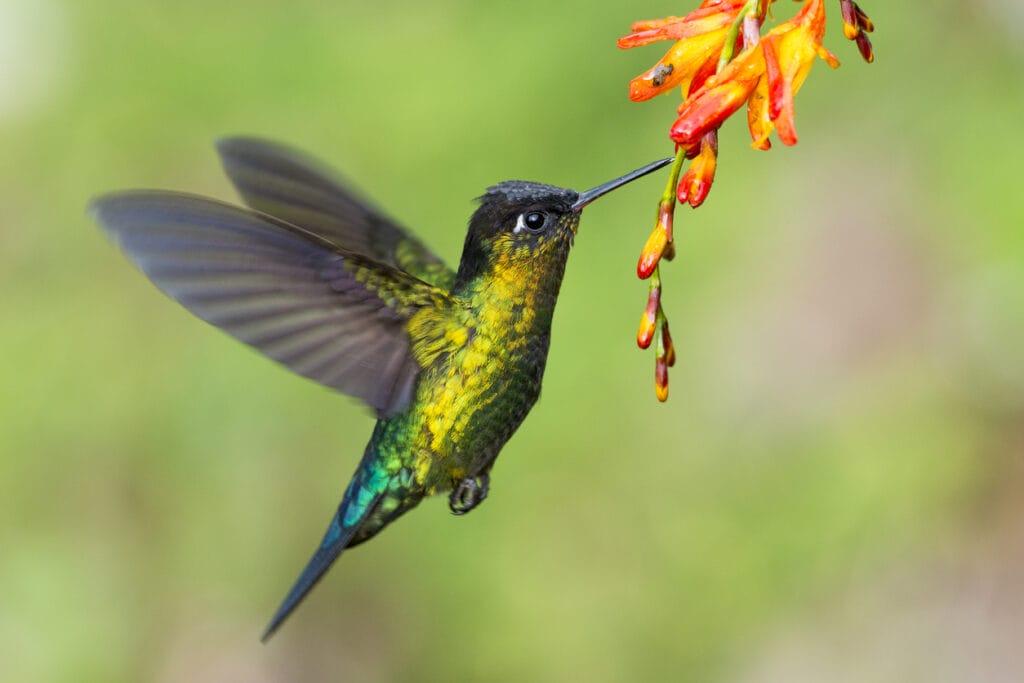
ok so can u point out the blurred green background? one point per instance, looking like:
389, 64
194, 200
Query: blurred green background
832, 491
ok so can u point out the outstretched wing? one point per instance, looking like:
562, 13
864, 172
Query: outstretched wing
290, 185
329, 314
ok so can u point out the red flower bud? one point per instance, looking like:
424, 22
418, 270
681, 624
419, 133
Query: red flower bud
657, 242
649, 320
651, 253
855, 24
661, 379
696, 182
864, 45
851, 27
864, 21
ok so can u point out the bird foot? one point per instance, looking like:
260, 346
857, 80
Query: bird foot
469, 493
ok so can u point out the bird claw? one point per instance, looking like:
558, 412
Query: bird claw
469, 493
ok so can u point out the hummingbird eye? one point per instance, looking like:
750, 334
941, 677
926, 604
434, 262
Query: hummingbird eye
533, 221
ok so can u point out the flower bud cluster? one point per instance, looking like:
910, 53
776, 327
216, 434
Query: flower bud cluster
722, 61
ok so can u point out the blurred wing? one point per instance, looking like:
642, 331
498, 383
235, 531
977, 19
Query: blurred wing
286, 183
333, 316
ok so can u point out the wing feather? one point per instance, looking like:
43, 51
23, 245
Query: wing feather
295, 187
327, 313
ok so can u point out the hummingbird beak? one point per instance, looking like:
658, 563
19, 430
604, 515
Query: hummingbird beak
604, 188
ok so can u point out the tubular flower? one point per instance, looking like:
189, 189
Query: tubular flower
721, 62
700, 37
696, 182
659, 243
651, 254
719, 98
789, 52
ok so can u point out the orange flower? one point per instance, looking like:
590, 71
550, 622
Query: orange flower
719, 98
700, 37
696, 182
789, 52
766, 75
659, 243
651, 254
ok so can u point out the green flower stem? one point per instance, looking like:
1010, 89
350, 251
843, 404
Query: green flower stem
668, 197
752, 8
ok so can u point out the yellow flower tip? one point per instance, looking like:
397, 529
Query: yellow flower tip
828, 56
661, 379
645, 334
850, 31
652, 252
649, 320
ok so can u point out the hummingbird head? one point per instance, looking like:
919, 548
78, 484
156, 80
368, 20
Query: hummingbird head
526, 225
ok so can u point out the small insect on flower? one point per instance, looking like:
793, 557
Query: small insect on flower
700, 37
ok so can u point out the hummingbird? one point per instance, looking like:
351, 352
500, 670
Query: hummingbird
314, 276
